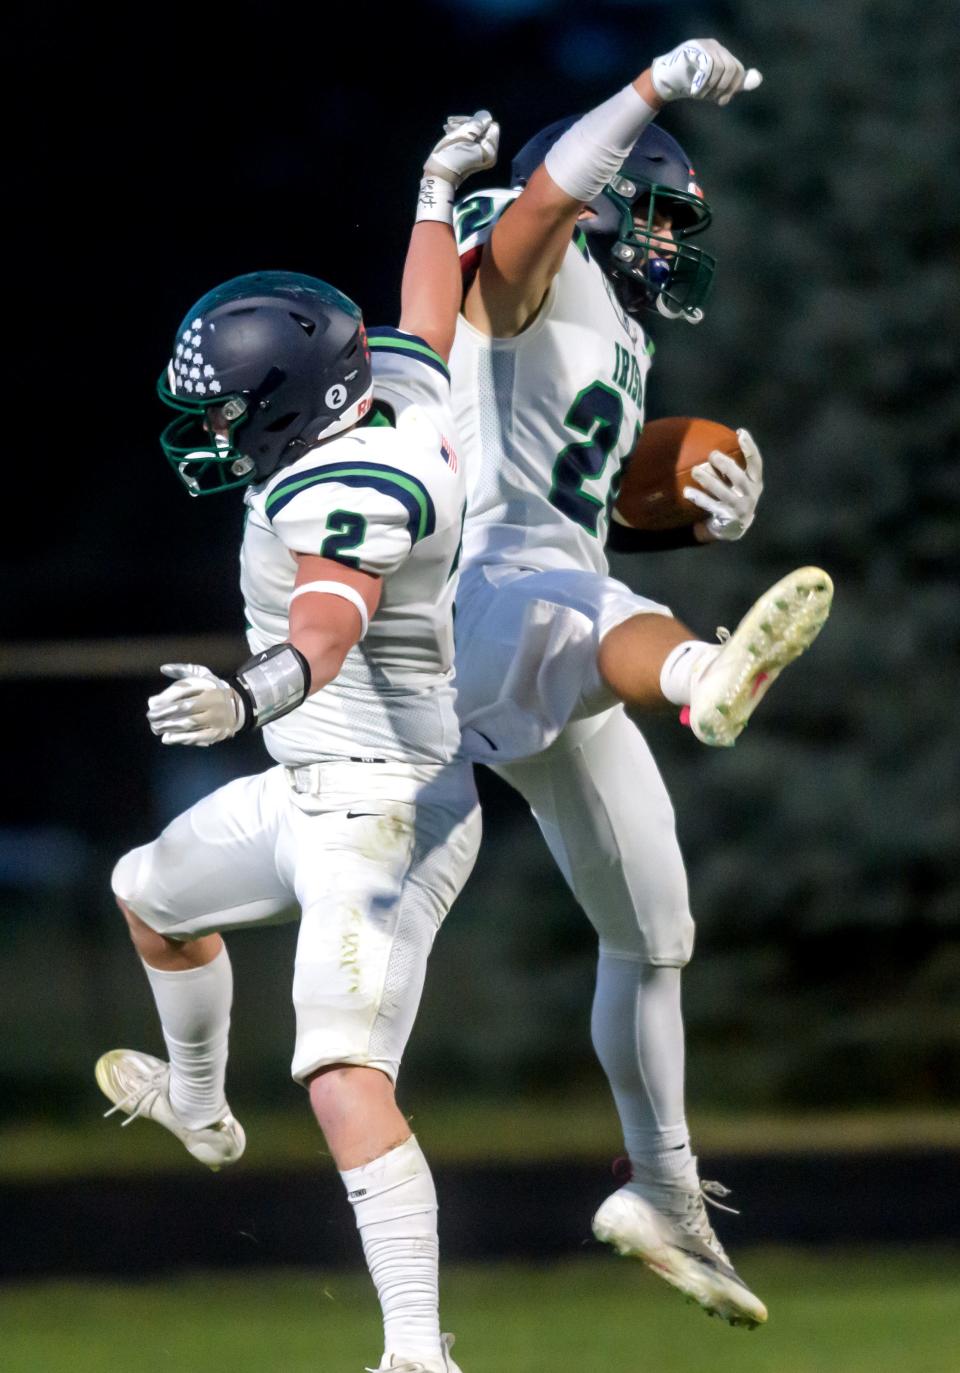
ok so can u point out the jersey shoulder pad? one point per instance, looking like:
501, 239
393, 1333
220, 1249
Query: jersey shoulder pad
406, 370
475, 216
349, 502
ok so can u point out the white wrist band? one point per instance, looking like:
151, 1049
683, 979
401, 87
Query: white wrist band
435, 200
592, 151
346, 593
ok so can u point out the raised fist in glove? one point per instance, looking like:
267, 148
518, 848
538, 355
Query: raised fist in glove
469, 144
200, 708
701, 69
728, 492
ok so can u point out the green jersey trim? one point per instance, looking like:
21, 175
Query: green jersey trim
409, 491
409, 346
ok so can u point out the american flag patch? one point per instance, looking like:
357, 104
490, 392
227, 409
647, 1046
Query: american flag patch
448, 453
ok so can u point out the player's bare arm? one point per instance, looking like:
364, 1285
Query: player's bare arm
527, 245
330, 609
431, 288
522, 257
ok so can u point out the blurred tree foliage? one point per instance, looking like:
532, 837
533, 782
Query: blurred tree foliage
823, 852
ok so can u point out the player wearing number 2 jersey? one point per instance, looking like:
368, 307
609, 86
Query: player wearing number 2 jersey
368, 821
398, 520
549, 368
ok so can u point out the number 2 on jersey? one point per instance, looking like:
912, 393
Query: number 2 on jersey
598, 413
348, 529
475, 213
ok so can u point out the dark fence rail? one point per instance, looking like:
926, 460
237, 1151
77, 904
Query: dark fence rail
134, 1227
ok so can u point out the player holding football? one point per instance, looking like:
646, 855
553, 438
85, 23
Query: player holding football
368, 821
549, 369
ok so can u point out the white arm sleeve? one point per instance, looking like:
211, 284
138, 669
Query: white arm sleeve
592, 151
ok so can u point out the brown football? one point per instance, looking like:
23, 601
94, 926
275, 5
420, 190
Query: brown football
651, 495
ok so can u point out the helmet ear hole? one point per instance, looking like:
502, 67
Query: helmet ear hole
283, 422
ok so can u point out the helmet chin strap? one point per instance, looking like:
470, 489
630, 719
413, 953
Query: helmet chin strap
658, 273
692, 316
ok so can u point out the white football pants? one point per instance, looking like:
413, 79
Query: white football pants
533, 706
373, 854
529, 692
527, 645
604, 811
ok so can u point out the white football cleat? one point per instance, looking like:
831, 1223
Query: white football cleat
138, 1084
667, 1228
396, 1364
781, 624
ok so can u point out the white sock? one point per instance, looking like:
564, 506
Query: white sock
396, 1209
637, 1028
679, 666
194, 1009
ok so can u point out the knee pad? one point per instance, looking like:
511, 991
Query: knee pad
123, 879
662, 939
128, 884
639, 912
672, 944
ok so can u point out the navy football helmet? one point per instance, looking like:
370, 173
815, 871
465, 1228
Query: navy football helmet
263, 367
655, 179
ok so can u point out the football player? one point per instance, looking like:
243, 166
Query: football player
549, 369
368, 822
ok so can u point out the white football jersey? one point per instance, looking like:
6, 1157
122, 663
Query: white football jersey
387, 498
546, 419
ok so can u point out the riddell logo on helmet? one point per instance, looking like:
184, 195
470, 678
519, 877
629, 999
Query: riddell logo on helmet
693, 188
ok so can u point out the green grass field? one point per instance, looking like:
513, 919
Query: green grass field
896, 1311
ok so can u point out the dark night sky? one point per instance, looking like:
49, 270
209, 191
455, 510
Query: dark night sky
157, 159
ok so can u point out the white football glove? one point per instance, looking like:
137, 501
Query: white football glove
469, 144
701, 69
200, 708
730, 492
